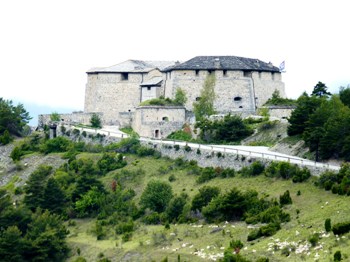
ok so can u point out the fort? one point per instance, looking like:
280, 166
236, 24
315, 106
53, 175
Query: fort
242, 85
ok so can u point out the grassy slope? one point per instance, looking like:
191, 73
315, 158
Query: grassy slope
155, 242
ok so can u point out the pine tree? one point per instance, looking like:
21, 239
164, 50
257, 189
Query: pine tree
54, 198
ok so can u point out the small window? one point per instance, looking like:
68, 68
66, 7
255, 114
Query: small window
224, 72
148, 88
165, 118
237, 98
156, 133
247, 73
210, 72
198, 98
197, 72
240, 106
124, 76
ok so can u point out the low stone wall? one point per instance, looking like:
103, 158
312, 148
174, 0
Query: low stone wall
209, 158
73, 118
281, 112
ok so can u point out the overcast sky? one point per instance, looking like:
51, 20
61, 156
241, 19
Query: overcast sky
47, 46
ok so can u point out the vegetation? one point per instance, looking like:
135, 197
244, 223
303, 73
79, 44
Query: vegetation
180, 97
229, 129
95, 121
277, 100
204, 107
13, 119
55, 116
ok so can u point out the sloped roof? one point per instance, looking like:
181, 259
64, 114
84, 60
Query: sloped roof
133, 66
153, 81
224, 63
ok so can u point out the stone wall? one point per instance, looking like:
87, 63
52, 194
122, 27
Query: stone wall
281, 112
235, 91
74, 118
158, 121
209, 158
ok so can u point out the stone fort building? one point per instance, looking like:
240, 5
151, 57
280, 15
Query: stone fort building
242, 85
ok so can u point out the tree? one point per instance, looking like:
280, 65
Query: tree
156, 195
176, 206
180, 97
36, 186
54, 197
46, 235
320, 90
205, 106
344, 95
95, 121
298, 120
12, 118
12, 245
205, 195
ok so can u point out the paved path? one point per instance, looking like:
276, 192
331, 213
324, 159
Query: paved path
251, 151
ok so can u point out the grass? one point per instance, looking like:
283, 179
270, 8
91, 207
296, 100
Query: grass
308, 213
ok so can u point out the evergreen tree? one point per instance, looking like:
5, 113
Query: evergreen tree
320, 90
12, 245
344, 95
54, 197
95, 121
35, 187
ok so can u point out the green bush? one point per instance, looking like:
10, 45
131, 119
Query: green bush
314, 239
337, 256
95, 121
255, 169
151, 219
145, 151
124, 227
6, 138
207, 174
156, 196
328, 225
180, 135
57, 144
205, 195
268, 230
285, 199
341, 228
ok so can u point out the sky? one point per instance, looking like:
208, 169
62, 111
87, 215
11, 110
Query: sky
47, 46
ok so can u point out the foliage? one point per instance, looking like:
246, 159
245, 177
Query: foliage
229, 129
276, 99
54, 197
205, 106
161, 101
320, 90
328, 225
204, 196
180, 97
95, 121
57, 144
287, 170
339, 182
175, 207
306, 105
35, 188
344, 95
337, 256
12, 118
156, 196
89, 203
268, 230
313, 239
6, 138
180, 135
55, 116
255, 169
110, 161
285, 199
341, 228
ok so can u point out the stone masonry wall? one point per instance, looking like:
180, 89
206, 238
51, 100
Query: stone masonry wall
74, 118
165, 119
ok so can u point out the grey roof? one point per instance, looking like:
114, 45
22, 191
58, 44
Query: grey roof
224, 63
133, 66
153, 81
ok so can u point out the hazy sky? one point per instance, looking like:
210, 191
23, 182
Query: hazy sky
47, 46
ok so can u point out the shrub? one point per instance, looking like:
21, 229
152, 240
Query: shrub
328, 225
314, 239
227, 172
156, 195
172, 178
6, 138
268, 230
205, 195
124, 227
285, 199
145, 151
255, 169
337, 256
180, 135
177, 147
236, 244
57, 144
341, 228
95, 121
151, 219
207, 174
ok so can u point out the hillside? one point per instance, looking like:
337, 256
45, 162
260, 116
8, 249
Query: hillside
191, 238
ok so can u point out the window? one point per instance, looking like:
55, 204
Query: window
149, 88
198, 98
210, 72
156, 133
247, 73
197, 72
240, 106
124, 76
224, 73
237, 98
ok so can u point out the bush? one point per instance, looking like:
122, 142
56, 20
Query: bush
328, 225
145, 151
6, 138
341, 228
285, 199
255, 169
314, 239
236, 244
156, 195
268, 230
95, 121
57, 144
207, 174
124, 227
205, 195
151, 219
180, 135
337, 256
